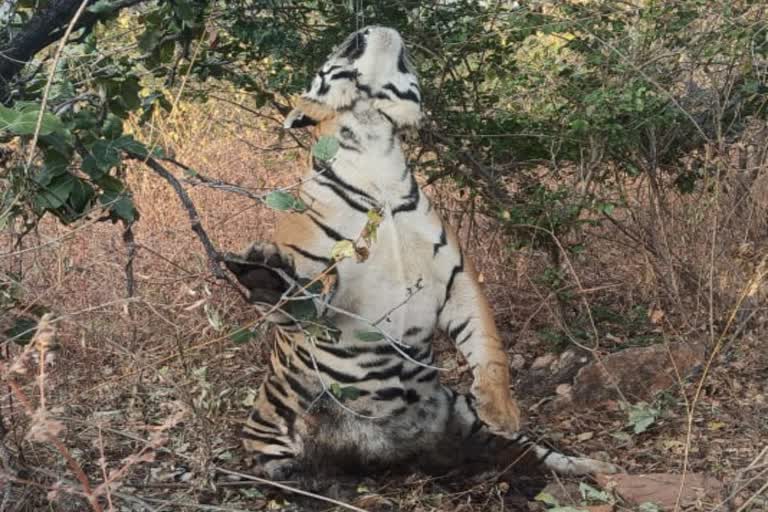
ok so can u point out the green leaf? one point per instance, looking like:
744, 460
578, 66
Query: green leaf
113, 127
56, 192
130, 145
241, 336
591, 494
101, 6
283, 201
21, 325
641, 416
369, 336
350, 393
120, 203
606, 208
344, 392
343, 249
124, 208
547, 499
326, 147
105, 156
149, 39
648, 506
301, 309
24, 122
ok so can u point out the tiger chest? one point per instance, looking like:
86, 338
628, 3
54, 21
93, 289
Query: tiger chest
399, 286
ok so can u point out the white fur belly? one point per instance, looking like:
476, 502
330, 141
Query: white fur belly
396, 285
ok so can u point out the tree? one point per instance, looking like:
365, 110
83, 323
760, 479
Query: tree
597, 85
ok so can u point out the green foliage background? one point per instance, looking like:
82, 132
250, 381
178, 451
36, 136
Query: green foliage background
608, 88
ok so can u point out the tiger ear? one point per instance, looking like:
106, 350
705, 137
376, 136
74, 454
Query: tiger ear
307, 112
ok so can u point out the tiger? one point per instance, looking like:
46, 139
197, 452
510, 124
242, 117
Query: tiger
413, 282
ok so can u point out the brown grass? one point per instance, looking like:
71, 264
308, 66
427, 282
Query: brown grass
153, 384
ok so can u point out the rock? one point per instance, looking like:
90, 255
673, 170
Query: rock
663, 488
549, 371
518, 362
639, 372
544, 361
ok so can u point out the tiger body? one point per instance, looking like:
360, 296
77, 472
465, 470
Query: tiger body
414, 282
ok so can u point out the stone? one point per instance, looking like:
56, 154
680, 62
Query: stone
547, 372
639, 373
662, 488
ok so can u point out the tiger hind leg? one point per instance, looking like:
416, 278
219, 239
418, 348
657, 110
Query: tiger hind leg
479, 445
273, 433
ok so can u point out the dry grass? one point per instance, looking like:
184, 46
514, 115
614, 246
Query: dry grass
152, 388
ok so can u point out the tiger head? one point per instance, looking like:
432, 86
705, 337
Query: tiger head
372, 66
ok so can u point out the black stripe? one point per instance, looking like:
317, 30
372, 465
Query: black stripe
456, 270
348, 75
256, 417
277, 386
343, 353
412, 396
389, 394
412, 331
384, 349
324, 86
347, 133
366, 89
401, 67
465, 338
429, 377
308, 254
376, 363
329, 232
453, 333
348, 147
298, 388
264, 439
441, 243
411, 200
338, 376
329, 70
407, 95
355, 47
423, 353
412, 372
384, 374
263, 458
388, 118
285, 412
327, 172
344, 197
476, 426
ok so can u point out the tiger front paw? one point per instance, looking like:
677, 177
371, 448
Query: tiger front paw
264, 270
497, 409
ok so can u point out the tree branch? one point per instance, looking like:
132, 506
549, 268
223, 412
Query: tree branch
43, 29
214, 257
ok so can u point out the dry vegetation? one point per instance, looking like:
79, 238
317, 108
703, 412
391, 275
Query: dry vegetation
147, 391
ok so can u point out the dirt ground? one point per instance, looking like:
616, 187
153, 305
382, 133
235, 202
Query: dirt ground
150, 389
